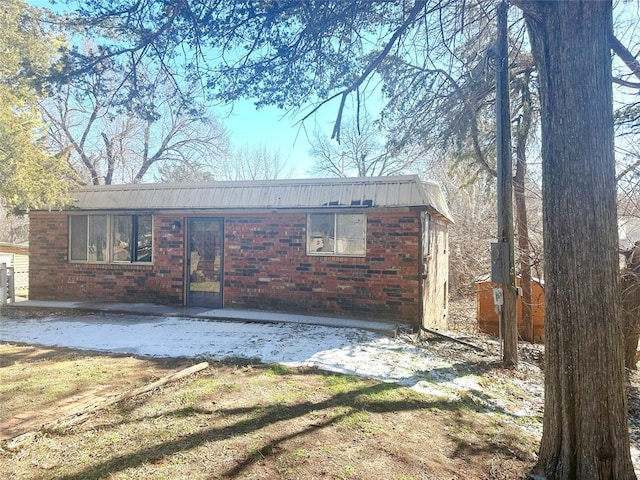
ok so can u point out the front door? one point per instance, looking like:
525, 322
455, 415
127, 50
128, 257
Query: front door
204, 261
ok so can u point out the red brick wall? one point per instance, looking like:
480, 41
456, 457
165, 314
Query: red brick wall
52, 277
265, 267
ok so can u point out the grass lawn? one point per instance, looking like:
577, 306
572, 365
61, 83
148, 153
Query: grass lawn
240, 420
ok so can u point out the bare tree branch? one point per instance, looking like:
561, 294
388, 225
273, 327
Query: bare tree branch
411, 16
625, 83
625, 55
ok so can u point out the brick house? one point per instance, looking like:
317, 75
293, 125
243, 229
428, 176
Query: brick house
352, 247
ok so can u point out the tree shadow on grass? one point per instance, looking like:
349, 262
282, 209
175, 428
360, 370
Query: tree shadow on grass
60, 388
24, 353
451, 382
337, 408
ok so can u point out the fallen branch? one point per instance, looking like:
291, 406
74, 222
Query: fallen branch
453, 339
82, 415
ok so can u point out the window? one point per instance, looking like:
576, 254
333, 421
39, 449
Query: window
89, 238
131, 238
425, 235
110, 238
336, 234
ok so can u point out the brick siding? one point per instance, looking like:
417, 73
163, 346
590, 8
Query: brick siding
52, 277
265, 267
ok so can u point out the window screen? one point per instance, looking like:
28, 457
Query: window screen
144, 238
122, 238
110, 238
78, 237
97, 238
336, 234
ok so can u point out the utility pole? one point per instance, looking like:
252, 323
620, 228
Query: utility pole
503, 269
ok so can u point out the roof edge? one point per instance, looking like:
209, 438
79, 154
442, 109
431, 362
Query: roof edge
241, 183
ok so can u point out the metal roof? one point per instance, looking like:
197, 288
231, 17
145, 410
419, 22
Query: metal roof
400, 191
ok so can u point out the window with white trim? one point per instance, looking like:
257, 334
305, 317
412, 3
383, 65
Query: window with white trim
425, 234
339, 234
110, 238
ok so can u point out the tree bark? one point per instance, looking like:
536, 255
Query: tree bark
524, 254
585, 433
522, 223
504, 170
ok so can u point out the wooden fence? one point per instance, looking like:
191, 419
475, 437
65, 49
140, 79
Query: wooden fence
7, 284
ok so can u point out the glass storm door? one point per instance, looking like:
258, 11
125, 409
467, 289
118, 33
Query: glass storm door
204, 260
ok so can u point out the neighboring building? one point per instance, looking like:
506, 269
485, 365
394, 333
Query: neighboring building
372, 248
17, 256
489, 321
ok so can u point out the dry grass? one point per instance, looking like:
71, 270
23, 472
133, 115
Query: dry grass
462, 315
247, 421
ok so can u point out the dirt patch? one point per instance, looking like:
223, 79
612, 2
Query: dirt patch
39, 384
249, 421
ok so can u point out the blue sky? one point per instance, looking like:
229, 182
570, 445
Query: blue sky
276, 129
284, 132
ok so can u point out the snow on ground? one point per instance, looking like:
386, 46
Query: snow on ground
446, 370
344, 350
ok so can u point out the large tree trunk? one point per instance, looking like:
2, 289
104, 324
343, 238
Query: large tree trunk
585, 433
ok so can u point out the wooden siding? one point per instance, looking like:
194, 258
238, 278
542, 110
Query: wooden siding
435, 275
20, 262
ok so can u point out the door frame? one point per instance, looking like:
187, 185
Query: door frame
187, 252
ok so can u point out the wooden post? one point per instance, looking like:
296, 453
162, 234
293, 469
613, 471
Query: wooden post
11, 284
4, 284
508, 321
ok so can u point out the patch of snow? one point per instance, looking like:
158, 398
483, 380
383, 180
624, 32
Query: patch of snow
432, 370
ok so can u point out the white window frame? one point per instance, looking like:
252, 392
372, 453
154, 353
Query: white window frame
337, 237
426, 235
108, 254
105, 253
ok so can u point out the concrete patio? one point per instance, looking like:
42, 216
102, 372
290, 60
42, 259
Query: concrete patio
390, 329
